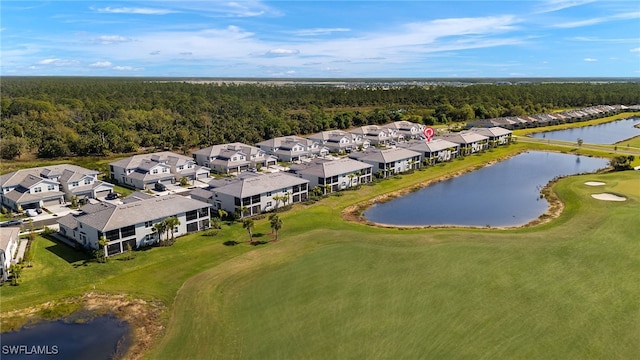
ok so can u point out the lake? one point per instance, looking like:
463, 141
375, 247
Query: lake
102, 337
608, 133
504, 194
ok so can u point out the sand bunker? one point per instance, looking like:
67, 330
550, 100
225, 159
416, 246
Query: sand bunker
594, 183
608, 197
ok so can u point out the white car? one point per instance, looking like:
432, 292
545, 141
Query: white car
31, 212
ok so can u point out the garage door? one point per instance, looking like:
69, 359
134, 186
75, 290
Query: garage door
51, 202
102, 193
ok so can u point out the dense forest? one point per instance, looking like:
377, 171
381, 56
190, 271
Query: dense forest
95, 116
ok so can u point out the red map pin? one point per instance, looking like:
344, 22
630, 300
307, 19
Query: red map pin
428, 133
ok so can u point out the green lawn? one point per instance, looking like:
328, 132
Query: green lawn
334, 289
567, 289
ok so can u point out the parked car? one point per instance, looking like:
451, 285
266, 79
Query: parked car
31, 212
160, 187
16, 222
112, 196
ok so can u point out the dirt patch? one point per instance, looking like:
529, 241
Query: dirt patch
144, 317
594, 183
608, 197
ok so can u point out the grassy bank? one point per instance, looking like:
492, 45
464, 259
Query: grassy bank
568, 289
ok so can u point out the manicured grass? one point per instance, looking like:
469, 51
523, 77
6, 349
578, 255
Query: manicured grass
567, 289
334, 289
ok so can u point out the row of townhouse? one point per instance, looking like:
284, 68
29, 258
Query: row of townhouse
143, 171
40, 187
132, 222
527, 121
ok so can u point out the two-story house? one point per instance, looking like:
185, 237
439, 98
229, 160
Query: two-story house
406, 129
133, 223
338, 141
233, 158
470, 142
387, 162
250, 194
292, 148
50, 185
435, 151
497, 135
334, 175
143, 171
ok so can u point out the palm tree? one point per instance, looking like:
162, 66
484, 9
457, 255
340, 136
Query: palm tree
159, 228
248, 225
276, 224
285, 199
351, 177
277, 199
171, 223
222, 214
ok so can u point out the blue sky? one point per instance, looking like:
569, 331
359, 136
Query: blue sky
320, 39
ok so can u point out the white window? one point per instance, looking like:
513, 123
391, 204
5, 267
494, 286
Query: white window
37, 189
87, 181
148, 224
268, 203
155, 171
74, 184
51, 187
164, 170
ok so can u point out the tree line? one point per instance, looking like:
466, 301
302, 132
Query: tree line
57, 116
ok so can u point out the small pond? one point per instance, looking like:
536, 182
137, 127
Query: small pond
503, 194
99, 338
608, 133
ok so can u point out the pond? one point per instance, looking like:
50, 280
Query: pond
504, 194
608, 133
103, 337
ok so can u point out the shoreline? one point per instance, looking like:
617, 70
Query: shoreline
354, 213
143, 317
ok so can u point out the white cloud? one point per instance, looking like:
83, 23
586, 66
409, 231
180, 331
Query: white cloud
58, 62
557, 5
635, 49
590, 59
133, 10
282, 52
110, 39
598, 20
126, 68
319, 31
102, 64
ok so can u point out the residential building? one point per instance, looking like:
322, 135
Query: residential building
293, 148
377, 135
470, 142
50, 185
497, 135
406, 129
387, 162
338, 141
250, 194
334, 175
8, 248
143, 171
133, 223
435, 151
233, 158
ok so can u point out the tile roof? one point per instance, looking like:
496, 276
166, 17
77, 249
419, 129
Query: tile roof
105, 216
